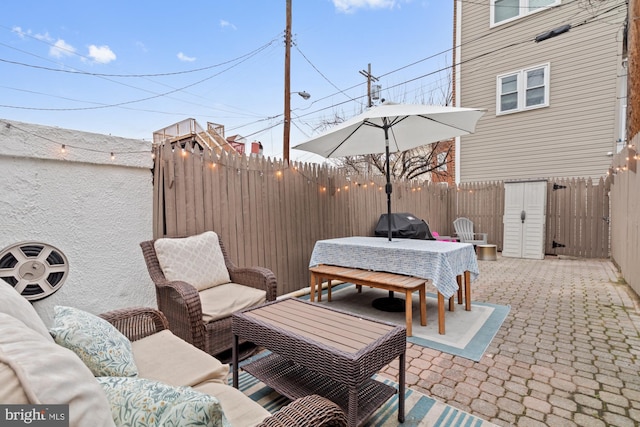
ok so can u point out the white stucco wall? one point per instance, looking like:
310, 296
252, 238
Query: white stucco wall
94, 209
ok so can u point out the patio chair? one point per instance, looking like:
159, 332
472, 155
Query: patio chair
198, 288
465, 233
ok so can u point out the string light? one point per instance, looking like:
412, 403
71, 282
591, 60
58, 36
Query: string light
63, 147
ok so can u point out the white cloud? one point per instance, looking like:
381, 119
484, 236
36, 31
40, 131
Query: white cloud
350, 6
224, 24
61, 48
44, 37
19, 32
185, 58
101, 54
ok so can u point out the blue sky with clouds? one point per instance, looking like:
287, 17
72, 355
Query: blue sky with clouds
128, 68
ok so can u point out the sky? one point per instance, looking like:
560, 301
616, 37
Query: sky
129, 68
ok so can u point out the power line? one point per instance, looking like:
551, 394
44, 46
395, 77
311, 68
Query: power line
174, 73
593, 18
123, 104
132, 101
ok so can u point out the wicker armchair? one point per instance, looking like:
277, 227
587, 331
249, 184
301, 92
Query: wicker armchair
309, 411
180, 302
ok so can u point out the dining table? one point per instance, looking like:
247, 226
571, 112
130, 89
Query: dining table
440, 262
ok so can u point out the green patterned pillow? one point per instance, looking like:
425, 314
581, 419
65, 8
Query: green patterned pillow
104, 349
142, 402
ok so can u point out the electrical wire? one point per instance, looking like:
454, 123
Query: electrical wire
351, 99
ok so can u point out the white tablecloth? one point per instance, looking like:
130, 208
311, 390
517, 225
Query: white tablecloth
438, 261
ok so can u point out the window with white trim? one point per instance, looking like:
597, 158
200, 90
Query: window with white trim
442, 161
523, 90
508, 10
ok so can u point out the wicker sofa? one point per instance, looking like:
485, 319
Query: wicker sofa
34, 369
199, 308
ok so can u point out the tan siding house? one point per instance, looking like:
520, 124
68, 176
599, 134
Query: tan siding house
553, 106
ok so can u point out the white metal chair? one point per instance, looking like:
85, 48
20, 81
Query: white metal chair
465, 234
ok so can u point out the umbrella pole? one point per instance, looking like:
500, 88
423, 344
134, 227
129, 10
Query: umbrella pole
390, 303
388, 186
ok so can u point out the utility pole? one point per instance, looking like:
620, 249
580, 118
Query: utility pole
287, 85
370, 78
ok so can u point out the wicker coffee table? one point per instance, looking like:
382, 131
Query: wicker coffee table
320, 350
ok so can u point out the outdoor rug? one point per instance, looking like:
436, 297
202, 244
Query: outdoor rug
420, 410
467, 333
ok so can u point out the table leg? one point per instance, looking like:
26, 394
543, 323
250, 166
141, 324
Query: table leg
329, 290
401, 381
312, 287
408, 315
234, 360
423, 305
459, 279
467, 290
352, 417
440, 313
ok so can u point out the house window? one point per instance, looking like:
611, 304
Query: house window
523, 90
507, 10
442, 161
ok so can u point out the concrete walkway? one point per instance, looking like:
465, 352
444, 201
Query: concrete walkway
568, 353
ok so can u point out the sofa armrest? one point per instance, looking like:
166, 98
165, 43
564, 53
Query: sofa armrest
255, 277
137, 322
308, 411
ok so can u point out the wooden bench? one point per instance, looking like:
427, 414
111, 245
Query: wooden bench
374, 279
390, 282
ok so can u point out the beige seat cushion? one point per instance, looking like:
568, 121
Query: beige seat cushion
238, 408
219, 302
166, 358
51, 374
197, 260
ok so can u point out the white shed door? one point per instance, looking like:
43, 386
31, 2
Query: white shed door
525, 205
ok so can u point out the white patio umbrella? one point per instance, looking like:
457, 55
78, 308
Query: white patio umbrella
404, 126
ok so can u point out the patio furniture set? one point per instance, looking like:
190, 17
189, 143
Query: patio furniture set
108, 368
306, 343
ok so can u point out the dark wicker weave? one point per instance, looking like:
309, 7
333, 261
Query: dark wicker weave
180, 302
310, 411
137, 322
325, 351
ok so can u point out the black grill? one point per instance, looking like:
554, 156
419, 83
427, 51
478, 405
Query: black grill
403, 225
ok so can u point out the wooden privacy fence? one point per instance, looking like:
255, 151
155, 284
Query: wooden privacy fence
271, 215
625, 213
